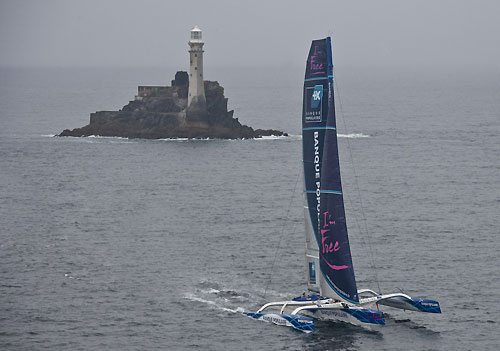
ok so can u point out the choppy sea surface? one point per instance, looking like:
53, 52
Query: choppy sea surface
116, 244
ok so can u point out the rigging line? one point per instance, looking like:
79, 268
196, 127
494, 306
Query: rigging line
363, 217
358, 225
282, 232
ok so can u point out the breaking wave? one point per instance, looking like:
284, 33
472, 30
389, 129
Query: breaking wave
271, 137
350, 135
354, 135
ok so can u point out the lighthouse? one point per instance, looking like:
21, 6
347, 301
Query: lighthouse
196, 94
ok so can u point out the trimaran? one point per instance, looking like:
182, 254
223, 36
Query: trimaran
331, 285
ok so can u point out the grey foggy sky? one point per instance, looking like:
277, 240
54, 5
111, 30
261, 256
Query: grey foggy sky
249, 33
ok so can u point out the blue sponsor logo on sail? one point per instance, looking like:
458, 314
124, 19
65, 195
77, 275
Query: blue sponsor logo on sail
314, 97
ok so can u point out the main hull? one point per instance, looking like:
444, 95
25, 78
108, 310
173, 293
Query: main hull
354, 316
301, 312
305, 322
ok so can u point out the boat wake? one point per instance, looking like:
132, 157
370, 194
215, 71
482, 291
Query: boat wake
217, 297
212, 304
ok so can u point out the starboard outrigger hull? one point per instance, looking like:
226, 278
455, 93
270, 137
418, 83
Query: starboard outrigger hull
400, 301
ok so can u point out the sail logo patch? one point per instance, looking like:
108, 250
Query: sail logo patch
314, 98
312, 273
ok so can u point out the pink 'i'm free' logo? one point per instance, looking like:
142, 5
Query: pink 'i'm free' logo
328, 246
316, 64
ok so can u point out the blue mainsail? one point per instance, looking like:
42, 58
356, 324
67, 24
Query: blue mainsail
328, 255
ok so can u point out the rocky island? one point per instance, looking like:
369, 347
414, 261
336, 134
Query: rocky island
190, 108
162, 112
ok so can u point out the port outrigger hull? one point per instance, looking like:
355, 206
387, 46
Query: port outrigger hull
302, 323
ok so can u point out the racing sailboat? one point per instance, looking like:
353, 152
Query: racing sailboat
331, 284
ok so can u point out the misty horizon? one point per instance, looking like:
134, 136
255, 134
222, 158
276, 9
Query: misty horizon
456, 34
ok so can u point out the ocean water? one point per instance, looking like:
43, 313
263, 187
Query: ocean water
116, 244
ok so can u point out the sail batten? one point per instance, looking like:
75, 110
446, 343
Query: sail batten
325, 127
331, 272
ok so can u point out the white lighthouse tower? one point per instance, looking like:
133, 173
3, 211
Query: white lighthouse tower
196, 95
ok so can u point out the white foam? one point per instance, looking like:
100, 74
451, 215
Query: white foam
106, 137
299, 137
353, 135
211, 291
91, 138
187, 139
271, 137
173, 139
213, 304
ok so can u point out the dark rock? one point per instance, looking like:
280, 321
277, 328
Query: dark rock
269, 132
181, 79
165, 114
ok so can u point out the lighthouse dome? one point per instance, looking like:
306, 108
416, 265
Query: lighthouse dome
195, 34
